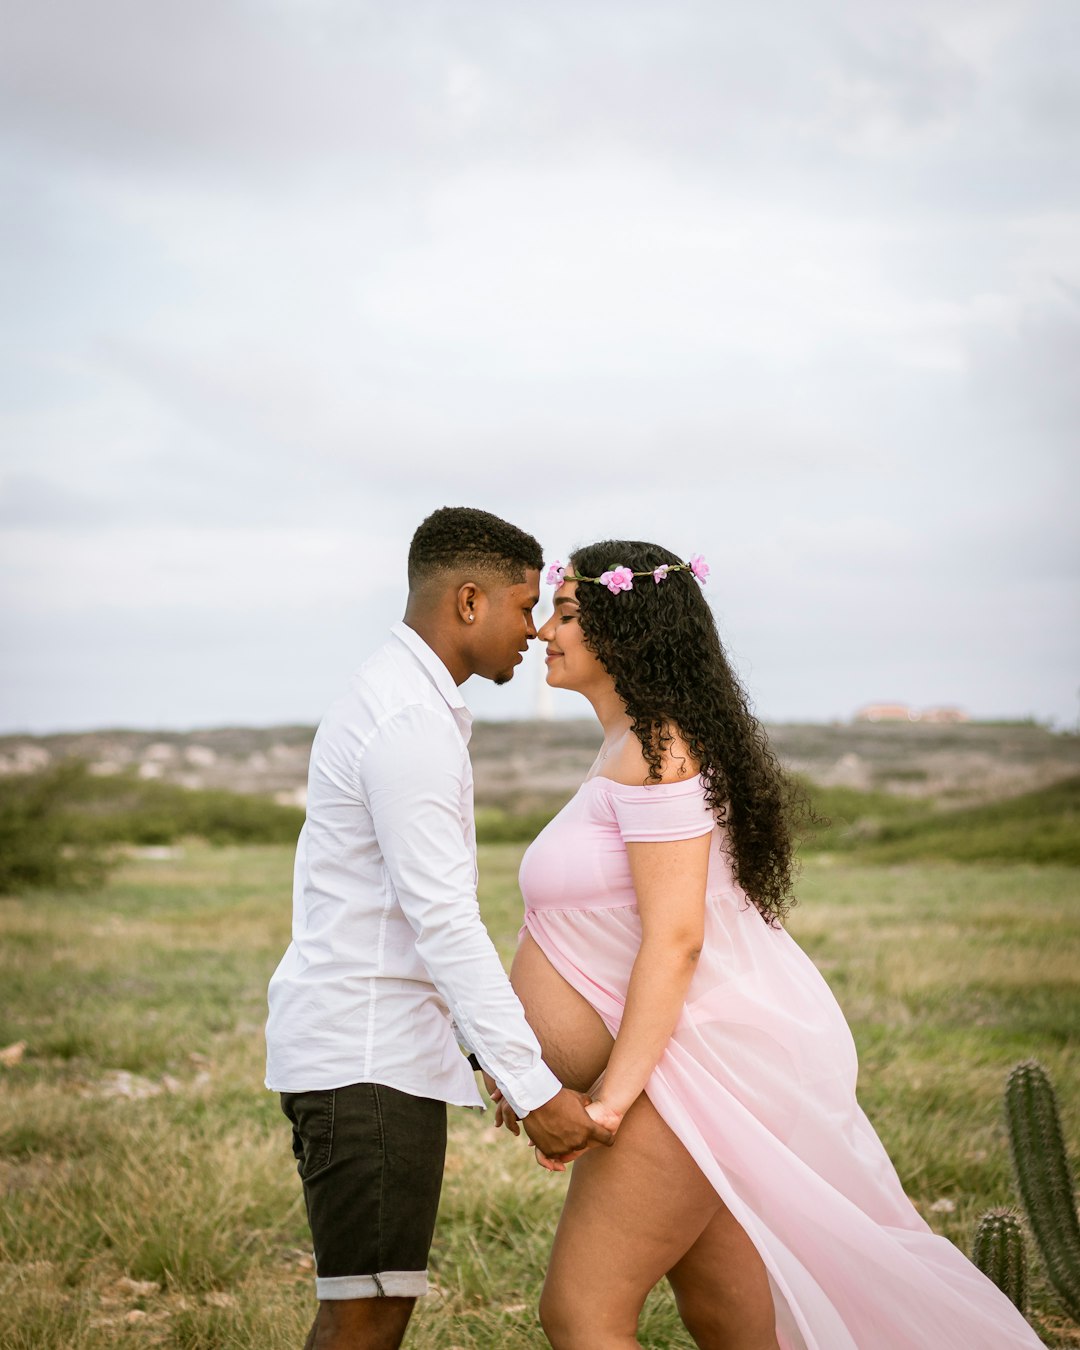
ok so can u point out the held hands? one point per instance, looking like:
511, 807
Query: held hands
598, 1111
563, 1126
562, 1129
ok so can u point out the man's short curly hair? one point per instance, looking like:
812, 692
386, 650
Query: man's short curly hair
455, 537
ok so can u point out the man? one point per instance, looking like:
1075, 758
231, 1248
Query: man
390, 958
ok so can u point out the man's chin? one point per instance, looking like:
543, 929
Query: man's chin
503, 678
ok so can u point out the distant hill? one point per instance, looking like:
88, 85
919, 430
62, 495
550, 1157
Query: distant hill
1042, 826
523, 766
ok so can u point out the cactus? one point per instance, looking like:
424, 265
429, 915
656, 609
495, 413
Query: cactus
999, 1252
1042, 1174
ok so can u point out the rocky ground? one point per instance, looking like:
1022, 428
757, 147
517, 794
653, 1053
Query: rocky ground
522, 765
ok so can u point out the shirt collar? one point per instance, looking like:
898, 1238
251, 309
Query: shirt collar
440, 676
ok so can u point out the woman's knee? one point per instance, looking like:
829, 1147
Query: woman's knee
559, 1318
719, 1324
573, 1319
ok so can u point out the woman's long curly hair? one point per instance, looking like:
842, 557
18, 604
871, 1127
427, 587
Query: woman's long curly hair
660, 645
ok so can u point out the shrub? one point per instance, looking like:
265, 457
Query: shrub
495, 826
36, 848
1037, 827
56, 825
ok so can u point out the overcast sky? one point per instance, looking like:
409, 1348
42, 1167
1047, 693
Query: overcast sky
796, 286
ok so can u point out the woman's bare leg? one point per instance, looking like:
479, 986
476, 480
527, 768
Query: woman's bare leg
722, 1291
633, 1213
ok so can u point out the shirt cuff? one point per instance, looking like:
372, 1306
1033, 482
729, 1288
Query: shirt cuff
530, 1090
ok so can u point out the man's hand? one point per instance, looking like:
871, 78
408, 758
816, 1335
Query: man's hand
562, 1126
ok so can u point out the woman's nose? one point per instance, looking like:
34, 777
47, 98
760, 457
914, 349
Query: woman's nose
545, 631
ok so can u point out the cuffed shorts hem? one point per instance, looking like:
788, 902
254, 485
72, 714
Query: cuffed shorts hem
387, 1284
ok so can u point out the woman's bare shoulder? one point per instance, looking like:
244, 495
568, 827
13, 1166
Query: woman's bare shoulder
630, 767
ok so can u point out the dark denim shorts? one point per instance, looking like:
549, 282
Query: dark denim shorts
371, 1160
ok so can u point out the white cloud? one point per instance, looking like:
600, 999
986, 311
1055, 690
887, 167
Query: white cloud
796, 290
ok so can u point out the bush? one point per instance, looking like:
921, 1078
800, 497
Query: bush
56, 825
128, 810
36, 848
1036, 827
495, 826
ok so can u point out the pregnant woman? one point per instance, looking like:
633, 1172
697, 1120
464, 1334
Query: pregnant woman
657, 975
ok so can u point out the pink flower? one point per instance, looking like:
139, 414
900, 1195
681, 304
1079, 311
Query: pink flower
618, 579
699, 567
661, 572
555, 574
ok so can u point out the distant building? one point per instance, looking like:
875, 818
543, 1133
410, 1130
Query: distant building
886, 712
900, 712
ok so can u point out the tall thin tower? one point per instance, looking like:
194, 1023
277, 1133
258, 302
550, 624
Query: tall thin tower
543, 704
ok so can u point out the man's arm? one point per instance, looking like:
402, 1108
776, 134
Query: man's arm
411, 778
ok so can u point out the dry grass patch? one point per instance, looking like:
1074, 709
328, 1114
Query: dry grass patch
149, 1194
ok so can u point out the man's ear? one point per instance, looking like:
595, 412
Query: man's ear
468, 596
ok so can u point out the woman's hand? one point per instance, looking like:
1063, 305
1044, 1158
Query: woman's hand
504, 1114
604, 1115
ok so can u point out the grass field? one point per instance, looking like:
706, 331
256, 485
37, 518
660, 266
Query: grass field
149, 1196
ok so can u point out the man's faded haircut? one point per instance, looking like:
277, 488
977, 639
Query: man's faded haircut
456, 538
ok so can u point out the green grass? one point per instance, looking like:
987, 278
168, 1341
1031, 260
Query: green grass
63, 826
175, 1218
57, 826
1036, 827
1041, 826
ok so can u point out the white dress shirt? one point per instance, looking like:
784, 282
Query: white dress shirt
389, 953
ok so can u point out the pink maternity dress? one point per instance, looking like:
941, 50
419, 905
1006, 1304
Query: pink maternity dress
758, 1082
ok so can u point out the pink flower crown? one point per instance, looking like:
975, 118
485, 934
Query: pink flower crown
618, 579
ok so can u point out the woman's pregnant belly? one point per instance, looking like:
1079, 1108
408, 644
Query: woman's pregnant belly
574, 1040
